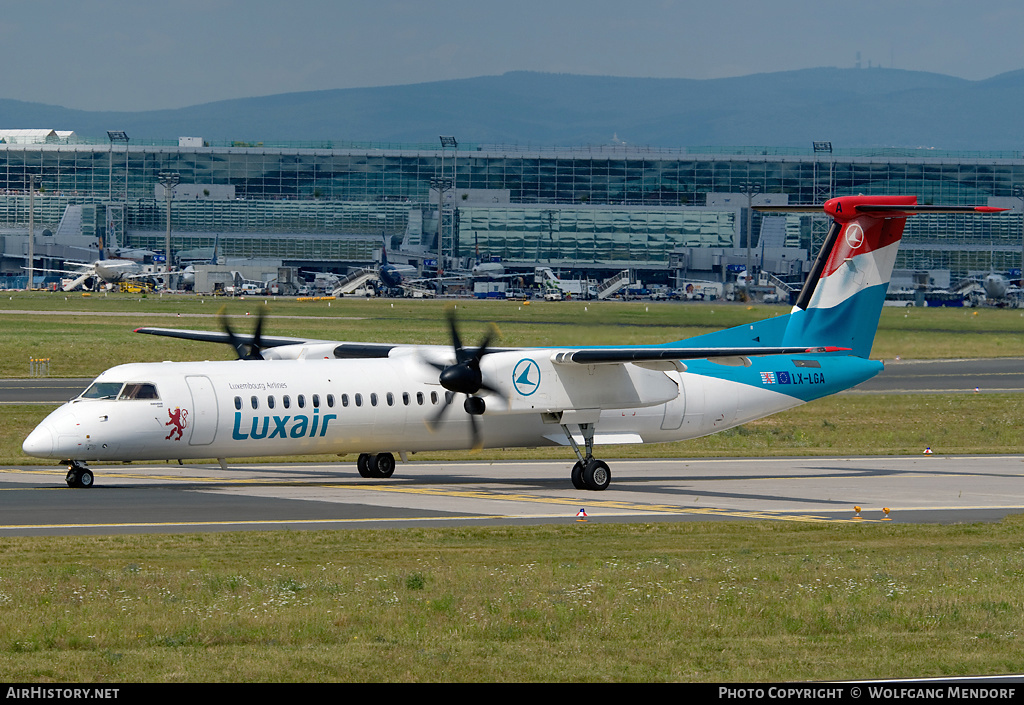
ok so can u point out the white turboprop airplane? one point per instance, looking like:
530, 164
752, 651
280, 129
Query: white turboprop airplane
116, 264
286, 396
104, 271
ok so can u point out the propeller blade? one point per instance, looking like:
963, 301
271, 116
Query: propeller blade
493, 390
481, 349
257, 338
456, 342
244, 351
464, 377
474, 434
232, 338
434, 420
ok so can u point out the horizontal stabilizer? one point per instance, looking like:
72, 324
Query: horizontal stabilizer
883, 209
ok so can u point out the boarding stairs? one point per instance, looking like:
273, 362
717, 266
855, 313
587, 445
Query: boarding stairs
70, 223
785, 286
611, 286
353, 281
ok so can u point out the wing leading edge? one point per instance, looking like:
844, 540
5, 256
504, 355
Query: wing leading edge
584, 356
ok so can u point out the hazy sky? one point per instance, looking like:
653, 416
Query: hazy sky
143, 55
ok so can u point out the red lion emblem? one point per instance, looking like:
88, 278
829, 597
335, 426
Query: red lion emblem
179, 420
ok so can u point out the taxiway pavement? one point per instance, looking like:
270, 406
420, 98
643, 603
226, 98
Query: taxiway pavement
173, 498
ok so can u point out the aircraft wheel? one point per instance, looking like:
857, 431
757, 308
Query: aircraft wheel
383, 465
596, 475
363, 465
577, 476
79, 477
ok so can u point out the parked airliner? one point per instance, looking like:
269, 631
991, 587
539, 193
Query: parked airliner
286, 396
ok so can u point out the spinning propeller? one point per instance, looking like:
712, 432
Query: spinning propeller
245, 350
464, 377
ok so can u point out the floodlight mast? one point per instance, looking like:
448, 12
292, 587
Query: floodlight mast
1018, 192
122, 137
168, 179
751, 189
443, 183
31, 230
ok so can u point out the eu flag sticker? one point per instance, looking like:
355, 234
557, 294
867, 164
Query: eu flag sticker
783, 377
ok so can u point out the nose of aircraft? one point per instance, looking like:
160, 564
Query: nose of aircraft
39, 443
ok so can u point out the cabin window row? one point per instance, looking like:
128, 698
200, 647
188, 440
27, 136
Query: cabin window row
357, 399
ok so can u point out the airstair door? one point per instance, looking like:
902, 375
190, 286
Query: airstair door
204, 410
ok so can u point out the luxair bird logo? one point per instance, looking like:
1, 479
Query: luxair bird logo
854, 236
526, 377
179, 420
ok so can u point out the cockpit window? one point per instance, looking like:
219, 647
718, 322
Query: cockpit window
139, 390
102, 390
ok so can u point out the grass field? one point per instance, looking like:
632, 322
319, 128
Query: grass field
81, 343
722, 601
725, 602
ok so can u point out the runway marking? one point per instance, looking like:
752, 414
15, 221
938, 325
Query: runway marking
592, 502
171, 478
631, 508
622, 505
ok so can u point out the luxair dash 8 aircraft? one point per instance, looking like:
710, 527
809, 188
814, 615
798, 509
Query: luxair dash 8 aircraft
287, 396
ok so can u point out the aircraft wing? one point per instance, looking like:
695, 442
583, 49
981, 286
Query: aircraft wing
583, 356
76, 272
209, 336
341, 349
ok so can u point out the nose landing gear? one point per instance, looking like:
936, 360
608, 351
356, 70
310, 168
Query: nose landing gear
79, 476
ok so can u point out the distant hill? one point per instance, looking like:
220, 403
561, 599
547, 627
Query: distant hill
850, 107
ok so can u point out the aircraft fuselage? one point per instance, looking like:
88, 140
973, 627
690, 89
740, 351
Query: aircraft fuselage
284, 407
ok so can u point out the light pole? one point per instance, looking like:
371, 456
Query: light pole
749, 188
442, 185
168, 179
31, 230
447, 142
122, 137
1018, 192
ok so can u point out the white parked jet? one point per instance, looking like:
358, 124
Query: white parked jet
286, 396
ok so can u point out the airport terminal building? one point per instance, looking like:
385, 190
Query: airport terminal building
661, 213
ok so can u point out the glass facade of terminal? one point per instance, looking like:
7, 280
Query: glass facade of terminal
611, 203
592, 234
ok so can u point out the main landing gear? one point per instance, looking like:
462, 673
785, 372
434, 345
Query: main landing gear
588, 473
376, 464
78, 475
